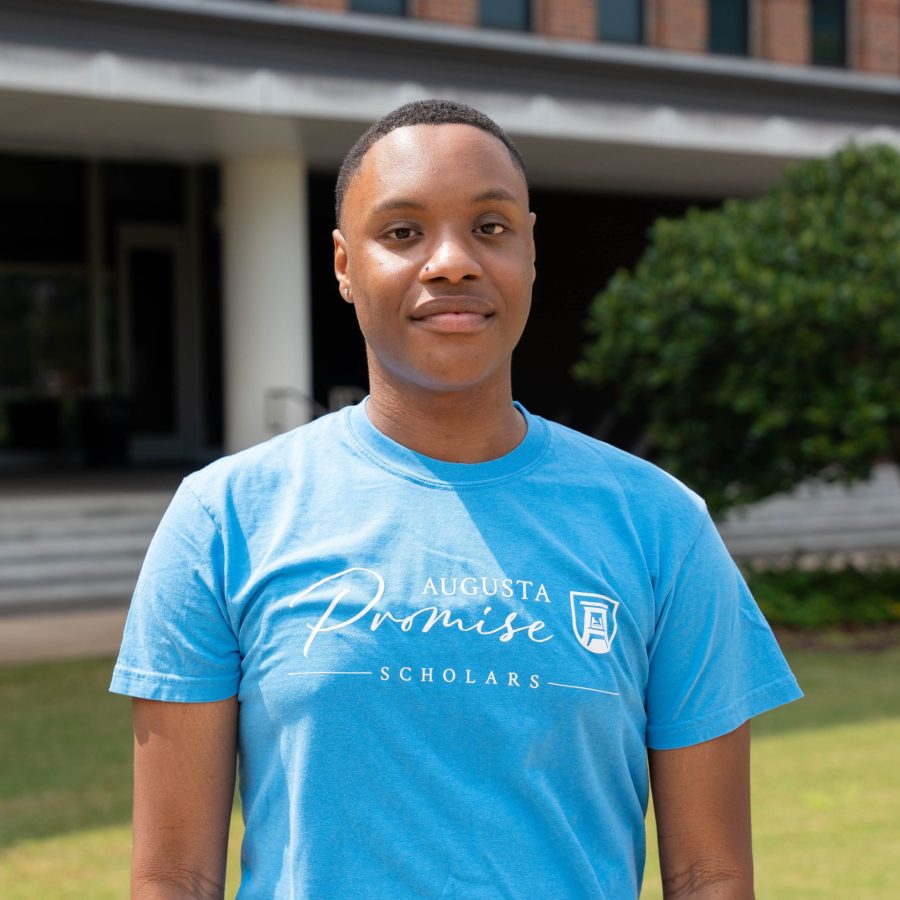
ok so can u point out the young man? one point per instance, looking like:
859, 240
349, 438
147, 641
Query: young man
441, 633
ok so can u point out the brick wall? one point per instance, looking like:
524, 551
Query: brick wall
780, 28
783, 30
330, 5
456, 12
574, 19
875, 33
678, 24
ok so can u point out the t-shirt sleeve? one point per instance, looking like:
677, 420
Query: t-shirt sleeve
179, 644
714, 662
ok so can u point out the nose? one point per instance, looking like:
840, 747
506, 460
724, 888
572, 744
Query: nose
451, 259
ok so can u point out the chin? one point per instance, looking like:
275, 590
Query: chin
438, 376
457, 383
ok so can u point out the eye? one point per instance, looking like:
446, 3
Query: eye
401, 233
491, 228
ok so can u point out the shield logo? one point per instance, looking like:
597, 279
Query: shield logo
594, 620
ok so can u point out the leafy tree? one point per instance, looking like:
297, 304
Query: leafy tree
758, 344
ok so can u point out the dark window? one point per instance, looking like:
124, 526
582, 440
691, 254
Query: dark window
43, 204
140, 192
621, 21
829, 32
44, 311
512, 14
728, 27
385, 7
43, 330
153, 389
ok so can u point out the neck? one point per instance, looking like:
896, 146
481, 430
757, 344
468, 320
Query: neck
466, 426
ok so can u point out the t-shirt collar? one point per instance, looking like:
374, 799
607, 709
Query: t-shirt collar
415, 466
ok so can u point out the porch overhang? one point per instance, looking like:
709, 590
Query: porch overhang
192, 80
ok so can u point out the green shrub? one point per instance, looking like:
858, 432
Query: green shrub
758, 344
819, 598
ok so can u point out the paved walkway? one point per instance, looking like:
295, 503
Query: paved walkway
50, 636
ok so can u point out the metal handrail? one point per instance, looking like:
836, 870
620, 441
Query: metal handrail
276, 400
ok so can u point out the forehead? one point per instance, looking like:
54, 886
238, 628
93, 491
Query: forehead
425, 158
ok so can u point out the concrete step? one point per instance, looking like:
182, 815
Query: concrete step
86, 594
46, 548
63, 549
820, 518
23, 573
74, 548
44, 529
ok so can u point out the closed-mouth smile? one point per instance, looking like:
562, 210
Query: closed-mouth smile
451, 314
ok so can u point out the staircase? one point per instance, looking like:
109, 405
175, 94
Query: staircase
858, 524
77, 543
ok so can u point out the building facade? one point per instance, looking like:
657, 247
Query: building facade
167, 167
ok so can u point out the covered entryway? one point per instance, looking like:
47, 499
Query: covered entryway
110, 315
158, 343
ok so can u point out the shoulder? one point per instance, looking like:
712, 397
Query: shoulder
646, 492
256, 476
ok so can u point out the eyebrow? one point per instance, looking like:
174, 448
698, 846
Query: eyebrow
407, 203
398, 203
496, 194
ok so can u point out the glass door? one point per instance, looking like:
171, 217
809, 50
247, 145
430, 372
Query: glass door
158, 343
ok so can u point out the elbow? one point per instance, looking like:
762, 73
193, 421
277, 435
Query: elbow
709, 880
175, 883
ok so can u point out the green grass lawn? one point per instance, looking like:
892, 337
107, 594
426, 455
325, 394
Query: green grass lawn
826, 784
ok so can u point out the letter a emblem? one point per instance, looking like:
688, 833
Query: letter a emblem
594, 620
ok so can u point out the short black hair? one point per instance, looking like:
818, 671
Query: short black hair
419, 112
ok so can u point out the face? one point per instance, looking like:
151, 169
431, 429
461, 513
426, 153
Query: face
436, 253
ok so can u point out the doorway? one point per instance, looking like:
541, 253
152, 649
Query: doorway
159, 343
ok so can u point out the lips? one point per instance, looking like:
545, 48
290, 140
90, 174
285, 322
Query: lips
453, 314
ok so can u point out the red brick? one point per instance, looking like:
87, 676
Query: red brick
678, 24
572, 19
875, 32
783, 30
327, 5
454, 12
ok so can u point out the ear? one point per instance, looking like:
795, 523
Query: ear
342, 265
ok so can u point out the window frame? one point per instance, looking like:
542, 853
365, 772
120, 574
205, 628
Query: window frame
642, 26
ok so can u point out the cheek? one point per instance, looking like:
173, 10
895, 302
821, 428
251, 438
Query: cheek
377, 265
376, 313
517, 277
368, 316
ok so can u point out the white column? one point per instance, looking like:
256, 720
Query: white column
268, 344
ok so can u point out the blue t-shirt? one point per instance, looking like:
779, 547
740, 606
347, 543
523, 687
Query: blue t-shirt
448, 674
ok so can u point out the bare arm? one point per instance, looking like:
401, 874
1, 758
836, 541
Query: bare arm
184, 768
701, 796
